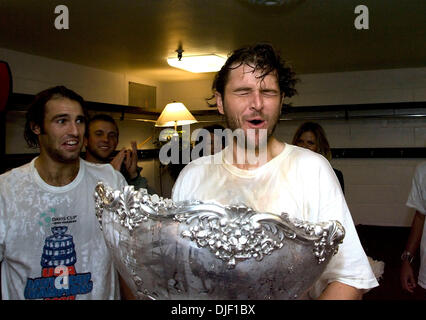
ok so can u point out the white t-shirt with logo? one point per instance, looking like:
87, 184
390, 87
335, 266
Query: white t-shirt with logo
298, 182
51, 245
417, 200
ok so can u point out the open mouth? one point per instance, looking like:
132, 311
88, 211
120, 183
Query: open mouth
71, 144
256, 123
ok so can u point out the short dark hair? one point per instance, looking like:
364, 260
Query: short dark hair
101, 117
320, 136
262, 57
37, 109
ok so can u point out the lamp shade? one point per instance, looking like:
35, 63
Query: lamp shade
175, 114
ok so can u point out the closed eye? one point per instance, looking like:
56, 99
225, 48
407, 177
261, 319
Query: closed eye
242, 91
270, 92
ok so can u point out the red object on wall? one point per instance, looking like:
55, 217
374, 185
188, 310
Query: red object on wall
5, 84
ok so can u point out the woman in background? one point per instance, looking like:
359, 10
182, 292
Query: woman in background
310, 135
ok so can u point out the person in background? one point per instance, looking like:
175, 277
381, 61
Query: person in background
100, 142
310, 135
51, 244
249, 91
417, 237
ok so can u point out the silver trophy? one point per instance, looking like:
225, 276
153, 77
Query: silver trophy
197, 250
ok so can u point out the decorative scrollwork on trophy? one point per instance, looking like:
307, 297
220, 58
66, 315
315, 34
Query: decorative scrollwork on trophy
206, 243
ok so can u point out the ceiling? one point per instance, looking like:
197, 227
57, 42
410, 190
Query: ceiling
136, 36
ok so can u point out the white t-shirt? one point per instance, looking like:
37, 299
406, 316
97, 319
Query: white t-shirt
47, 230
298, 182
417, 200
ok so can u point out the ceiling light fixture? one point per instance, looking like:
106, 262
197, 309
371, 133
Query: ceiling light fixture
197, 63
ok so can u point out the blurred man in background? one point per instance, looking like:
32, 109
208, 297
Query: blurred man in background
101, 140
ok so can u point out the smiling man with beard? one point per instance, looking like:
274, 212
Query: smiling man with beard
249, 91
51, 245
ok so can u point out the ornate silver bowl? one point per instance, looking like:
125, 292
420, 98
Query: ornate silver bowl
195, 250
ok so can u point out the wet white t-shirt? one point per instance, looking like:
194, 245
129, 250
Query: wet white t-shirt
417, 200
298, 182
46, 231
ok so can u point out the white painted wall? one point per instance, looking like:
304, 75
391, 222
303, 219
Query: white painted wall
32, 74
375, 86
376, 189
191, 93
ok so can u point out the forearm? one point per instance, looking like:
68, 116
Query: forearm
407, 277
340, 291
416, 232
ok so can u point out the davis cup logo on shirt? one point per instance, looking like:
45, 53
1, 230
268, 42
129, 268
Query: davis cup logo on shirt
45, 218
59, 280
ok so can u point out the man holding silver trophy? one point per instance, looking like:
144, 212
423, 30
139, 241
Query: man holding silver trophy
268, 175
259, 220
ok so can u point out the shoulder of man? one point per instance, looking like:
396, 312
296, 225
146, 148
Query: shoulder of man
421, 169
200, 164
105, 172
14, 174
306, 157
191, 176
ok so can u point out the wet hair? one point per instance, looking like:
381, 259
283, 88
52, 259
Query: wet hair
319, 133
37, 109
262, 57
101, 117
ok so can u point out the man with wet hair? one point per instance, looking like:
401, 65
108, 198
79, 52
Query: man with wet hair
282, 178
51, 245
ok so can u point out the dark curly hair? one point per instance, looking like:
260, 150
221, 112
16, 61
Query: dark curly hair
262, 57
36, 111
